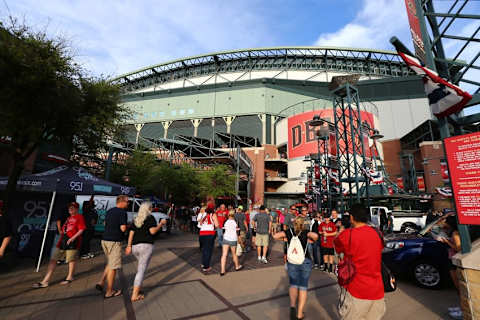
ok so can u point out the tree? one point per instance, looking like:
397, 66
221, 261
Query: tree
218, 181
46, 97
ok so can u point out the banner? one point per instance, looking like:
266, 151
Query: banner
390, 190
463, 157
317, 171
400, 183
302, 140
421, 183
415, 29
444, 171
445, 192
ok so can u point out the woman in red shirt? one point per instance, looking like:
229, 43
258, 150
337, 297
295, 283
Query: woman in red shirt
67, 247
364, 297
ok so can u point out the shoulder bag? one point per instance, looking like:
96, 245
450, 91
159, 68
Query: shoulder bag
346, 268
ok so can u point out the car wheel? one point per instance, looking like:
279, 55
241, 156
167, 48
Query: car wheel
427, 274
408, 228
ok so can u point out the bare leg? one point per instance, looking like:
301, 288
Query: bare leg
51, 267
293, 293
136, 295
453, 275
302, 300
223, 260
104, 276
110, 280
71, 270
234, 256
265, 250
259, 251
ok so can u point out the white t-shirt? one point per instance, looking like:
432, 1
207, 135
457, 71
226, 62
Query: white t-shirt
230, 233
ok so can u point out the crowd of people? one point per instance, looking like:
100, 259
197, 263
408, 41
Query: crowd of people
311, 240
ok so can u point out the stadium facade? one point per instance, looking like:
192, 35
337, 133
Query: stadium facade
253, 94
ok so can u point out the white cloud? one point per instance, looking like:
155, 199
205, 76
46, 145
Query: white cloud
372, 27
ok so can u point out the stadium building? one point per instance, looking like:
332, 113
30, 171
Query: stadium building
253, 98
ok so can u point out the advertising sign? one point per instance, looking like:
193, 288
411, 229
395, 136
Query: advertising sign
302, 140
421, 183
463, 157
444, 170
415, 29
400, 183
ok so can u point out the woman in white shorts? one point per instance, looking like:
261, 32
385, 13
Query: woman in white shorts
230, 239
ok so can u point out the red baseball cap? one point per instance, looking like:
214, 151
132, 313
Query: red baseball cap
74, 204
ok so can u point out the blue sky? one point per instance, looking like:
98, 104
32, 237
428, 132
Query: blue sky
114, 37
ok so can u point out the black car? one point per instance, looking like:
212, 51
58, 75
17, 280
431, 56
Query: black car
419, 255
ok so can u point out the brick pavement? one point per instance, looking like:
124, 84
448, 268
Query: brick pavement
175, 289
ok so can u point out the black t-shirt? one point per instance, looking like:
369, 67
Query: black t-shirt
142, 234
5, 228
114, 218
303, 239
62, 217
90, 214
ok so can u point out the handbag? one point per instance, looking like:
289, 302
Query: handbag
389, 281
346, 268
65, 246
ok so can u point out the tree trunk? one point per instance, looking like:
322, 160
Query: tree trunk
18, 165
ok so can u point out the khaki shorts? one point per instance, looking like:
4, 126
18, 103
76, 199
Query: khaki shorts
68, 255
354, 308
262, 240
113, 254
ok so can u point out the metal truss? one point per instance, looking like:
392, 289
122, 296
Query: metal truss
345, 60
447, 29
234, 140
351, 160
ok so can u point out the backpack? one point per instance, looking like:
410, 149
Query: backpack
295, 252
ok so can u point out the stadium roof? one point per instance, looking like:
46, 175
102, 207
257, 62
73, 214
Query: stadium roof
346, 60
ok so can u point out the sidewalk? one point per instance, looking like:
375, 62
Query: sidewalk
176, 290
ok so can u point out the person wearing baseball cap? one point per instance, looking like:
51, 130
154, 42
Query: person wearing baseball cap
67, 247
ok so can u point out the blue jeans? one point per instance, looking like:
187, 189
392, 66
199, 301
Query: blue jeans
298, 274
207, 243
316, 248
220, 236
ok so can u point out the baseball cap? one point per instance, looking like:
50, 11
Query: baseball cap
73, 204
240, 207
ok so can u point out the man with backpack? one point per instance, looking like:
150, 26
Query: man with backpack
362, 247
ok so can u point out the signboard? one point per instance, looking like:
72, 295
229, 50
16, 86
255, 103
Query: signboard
400, 183
415, 29
463, 157
302, 140
444, 171
421, 183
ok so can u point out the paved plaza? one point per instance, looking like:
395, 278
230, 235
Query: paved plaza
176, 289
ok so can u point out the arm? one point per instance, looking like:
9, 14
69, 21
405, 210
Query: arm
455, 243
270, 226
79, 232
246, 225
123, 223
279, 235
215, 220
128, 249
59, 226
312, 236
154, 230
5, 243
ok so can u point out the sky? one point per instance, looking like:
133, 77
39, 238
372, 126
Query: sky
114, 37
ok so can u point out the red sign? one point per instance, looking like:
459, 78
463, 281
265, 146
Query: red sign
463, 157
302, 140
444, 170
421, 183
400, 183
415, 29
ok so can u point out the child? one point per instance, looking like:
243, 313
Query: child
328, 230
230, 239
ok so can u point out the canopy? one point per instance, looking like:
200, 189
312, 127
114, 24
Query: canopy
68, 180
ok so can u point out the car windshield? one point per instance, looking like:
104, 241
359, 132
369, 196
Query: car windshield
434, 227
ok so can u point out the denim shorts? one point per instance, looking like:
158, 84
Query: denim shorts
298, 274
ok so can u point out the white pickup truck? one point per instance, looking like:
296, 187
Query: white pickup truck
403, 220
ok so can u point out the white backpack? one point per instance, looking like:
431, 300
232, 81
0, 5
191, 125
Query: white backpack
295, 253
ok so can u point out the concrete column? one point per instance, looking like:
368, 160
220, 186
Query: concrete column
196, 123
138, 127
228, 121
263, 118
166, 125
468, 274
272, 128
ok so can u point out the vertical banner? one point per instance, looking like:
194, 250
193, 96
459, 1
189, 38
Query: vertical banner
390, 190
444, 170
317, 171
366, 145
332, 143
400, 183
415, 29
463, 157
421, 183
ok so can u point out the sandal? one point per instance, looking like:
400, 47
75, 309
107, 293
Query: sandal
222, 274
115, 293
99, 287
39, 285
239, 268
66, 281
140, 297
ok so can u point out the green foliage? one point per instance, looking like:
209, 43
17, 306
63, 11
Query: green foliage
183, 183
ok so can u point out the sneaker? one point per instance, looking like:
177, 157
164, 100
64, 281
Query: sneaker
264, 260
91, 255
458, 314
59, 262
85, 256
322, 267
451, 309
259, 259
315, 266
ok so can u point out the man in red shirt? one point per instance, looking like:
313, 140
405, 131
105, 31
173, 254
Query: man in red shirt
364, 298
222, 215
68, 246
328, 231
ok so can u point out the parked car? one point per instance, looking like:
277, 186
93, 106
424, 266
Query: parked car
419, 255
405, 221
